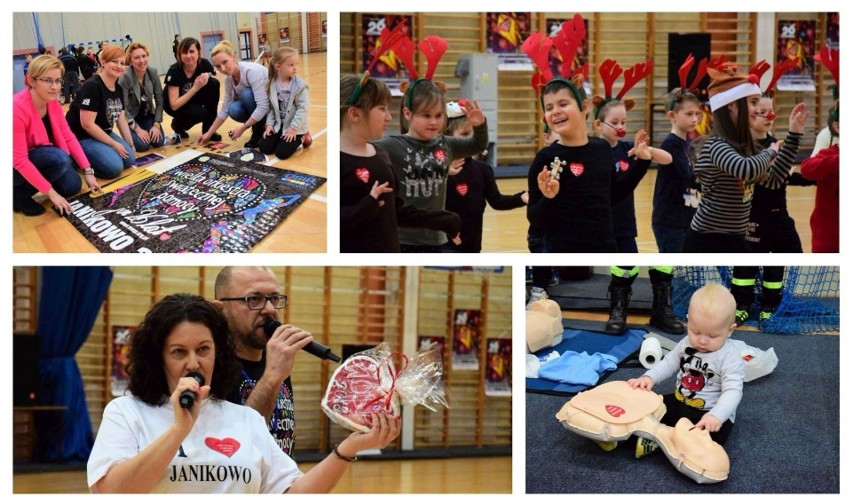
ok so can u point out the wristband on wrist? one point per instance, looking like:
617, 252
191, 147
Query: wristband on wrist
88, 171
342, 457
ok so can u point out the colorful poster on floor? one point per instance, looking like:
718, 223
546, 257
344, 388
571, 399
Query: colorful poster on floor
120, 349
208, 204
796, 41
466, 339
498, 369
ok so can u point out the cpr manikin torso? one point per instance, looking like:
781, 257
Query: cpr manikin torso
614, 411
543, 324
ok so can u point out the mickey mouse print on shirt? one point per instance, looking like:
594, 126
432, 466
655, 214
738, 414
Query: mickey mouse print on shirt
695, 376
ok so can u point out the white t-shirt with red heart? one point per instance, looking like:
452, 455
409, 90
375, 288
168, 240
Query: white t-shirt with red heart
229, 449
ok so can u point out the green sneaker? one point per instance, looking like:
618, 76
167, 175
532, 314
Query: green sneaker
606, 445
645, 447
765, 316
741, 316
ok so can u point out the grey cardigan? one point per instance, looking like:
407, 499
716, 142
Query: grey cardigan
297, 109
130, 88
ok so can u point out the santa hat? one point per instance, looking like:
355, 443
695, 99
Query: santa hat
728, 86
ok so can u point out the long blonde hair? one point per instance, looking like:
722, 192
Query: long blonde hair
279, 55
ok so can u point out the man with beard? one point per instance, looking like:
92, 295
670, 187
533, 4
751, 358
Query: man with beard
248, 297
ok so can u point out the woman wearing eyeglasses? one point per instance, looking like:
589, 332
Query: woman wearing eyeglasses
45, 151
97, 109
154, 441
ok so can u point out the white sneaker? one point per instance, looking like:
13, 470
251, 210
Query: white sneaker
536, 293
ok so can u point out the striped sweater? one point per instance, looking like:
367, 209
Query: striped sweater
728, 179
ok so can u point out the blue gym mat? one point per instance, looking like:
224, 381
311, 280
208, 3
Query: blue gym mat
590, 341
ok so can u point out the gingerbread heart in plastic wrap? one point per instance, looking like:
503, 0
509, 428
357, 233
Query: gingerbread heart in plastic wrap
370, 383
361, 386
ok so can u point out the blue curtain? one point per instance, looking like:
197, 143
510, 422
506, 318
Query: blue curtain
70, 300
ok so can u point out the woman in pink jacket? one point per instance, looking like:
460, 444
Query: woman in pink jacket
44, 150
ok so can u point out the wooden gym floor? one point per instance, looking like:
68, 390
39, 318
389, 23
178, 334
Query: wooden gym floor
303, 231
486, 475
506, 231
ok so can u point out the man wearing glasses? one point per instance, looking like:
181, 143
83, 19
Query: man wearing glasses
249, 297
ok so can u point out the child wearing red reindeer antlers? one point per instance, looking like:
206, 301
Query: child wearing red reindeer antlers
824, 167
770, 228
731, 162
675, 194
371, 210
421, 155
610, 115
572, 183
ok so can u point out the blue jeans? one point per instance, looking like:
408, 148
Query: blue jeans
104, 159
241, 108
56, 166
669, 240
146, 123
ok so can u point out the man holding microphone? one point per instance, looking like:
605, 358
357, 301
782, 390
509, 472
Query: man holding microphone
250, 298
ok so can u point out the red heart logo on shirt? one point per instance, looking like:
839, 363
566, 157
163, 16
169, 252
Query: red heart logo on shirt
623, 165
363, 174
461, 189
226, 446
577, 168
614, 410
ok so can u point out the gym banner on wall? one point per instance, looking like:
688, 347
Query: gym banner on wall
208, 204
498, 370
466, 339
796, 40
119, 379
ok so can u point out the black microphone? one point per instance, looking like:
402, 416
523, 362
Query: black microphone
187, 397
314, 348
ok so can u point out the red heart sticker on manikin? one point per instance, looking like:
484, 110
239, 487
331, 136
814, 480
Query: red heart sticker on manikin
461, 189
576, 168
226, 446
363, 174
614, 410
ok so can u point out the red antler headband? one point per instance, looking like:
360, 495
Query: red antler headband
717, 63
567, 40
830, 58
609, 71
433, 48
387, 39
761, 67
